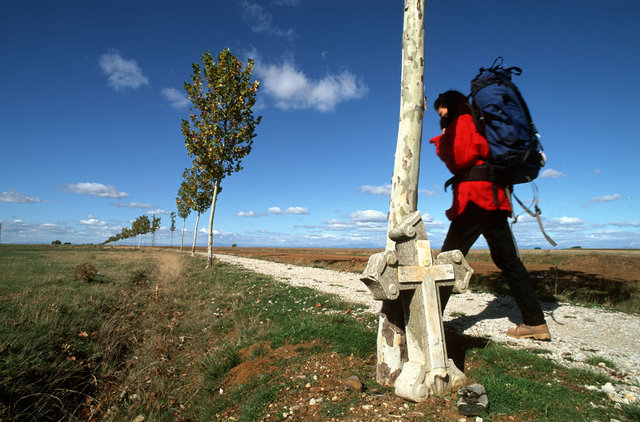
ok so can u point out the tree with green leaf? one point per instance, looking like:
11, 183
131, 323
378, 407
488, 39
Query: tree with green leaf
173, 226
200, 189
140, 227
221, 125
183, 203
155, 226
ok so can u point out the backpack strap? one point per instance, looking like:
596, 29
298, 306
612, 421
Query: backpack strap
536, 215
484, 172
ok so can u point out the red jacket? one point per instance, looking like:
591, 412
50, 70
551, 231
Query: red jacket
460, 147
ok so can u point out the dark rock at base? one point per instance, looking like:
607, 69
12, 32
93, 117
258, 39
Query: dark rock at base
472, 400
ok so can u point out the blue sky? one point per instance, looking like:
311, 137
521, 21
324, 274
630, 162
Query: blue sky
91, 98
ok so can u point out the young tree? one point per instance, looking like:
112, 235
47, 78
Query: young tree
173, 226
155, 226
140, 227
221, 126
183, 203
200, 189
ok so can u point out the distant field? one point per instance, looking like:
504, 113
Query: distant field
622, 265
603, 277
152, 335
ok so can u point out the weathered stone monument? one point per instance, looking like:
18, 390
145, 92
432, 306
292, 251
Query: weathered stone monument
411, 351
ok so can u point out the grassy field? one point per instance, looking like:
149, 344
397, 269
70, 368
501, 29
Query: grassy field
153, 334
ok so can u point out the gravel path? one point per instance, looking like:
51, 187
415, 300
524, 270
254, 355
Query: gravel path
577, 332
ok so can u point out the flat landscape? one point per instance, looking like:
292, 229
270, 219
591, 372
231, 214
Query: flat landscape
594, 275
93, 333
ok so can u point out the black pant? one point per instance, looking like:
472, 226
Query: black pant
493, 225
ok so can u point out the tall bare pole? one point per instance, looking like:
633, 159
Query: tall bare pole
404, 192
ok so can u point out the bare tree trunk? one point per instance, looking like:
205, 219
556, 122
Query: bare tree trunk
213, 211
404, 183
195, 235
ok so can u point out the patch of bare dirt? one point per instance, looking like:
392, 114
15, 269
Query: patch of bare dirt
313, 388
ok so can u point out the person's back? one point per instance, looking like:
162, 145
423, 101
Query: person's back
481, 207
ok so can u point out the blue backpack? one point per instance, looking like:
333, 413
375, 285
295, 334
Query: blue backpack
502, 116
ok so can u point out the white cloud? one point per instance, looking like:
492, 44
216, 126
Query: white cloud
289, 211
384, 190
292, 89
177, 99
18, 197
551, 174
625, 223
427, 192
92, 221
122, 73
95, 189
288, 2
368, 216
261, 21
132, 205
567, 221
249, 214
158, 211
605, 198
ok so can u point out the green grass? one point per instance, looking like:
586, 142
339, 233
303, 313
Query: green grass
522, 383
158, 335
597, 360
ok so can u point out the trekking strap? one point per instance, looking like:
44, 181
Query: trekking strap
535, 215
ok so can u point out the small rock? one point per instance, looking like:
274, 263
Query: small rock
366, 407
352, 383
472, 400
608, 388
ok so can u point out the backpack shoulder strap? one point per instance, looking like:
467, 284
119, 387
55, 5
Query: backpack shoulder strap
535, 215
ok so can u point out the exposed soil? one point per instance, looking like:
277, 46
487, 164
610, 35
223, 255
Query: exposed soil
607, 265
314, 389
313, 386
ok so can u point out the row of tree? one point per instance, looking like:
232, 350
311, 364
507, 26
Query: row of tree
140, 227
218, 134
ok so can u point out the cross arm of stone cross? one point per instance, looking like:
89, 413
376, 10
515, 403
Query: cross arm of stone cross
405, 268
411, 269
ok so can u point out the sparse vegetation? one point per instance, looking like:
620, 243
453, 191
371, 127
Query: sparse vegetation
163, 338
85, 272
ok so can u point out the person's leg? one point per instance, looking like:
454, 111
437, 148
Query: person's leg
505, 255
463, 232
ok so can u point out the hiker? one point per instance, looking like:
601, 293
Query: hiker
482, 208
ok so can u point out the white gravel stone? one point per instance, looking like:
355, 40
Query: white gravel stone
577, 333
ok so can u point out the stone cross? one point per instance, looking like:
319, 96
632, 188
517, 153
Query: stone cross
411, 275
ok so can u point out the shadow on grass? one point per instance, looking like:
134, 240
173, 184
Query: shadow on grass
556, 284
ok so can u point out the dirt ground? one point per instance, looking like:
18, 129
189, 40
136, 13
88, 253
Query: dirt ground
613, 265
319, 383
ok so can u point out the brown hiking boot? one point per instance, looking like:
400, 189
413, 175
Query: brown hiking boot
536, 332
